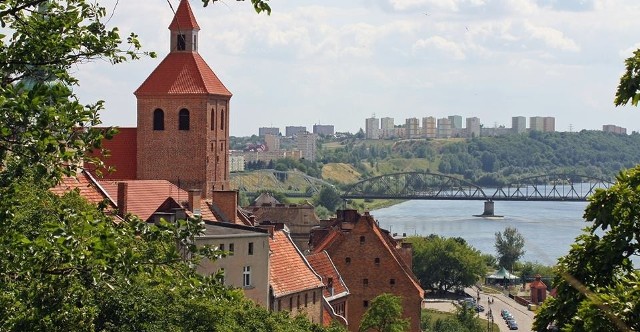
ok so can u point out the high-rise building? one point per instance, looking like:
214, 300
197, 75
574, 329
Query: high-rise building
306, 143
549, 124
412, 128
536, 123
291, 131
456, 121
444, 128
614, 129
473, 127
272, 142
429, 127
386, 126
372, 128
323, 130
519, 124
268, 130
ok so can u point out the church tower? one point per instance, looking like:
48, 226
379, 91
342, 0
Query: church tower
183, 115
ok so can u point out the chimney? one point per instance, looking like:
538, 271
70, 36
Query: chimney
123, 189
194, 201
227, 203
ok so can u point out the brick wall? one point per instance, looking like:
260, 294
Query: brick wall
301, 303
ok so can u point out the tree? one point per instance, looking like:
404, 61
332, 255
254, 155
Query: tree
446, 263
597, 287
629, 86
329, 198
384, 315
509, 246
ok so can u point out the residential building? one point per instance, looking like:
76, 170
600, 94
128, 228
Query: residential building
370, 262
614, 129
444, 128
549, 124
236, 163
295, 287
272, 142
456, 121
387, 128
412, 128
536, 123
268, 130
473, 127
291, 131
323, 130
519, 124
335, 292
307, 144
246, 266
372, 128
429, 128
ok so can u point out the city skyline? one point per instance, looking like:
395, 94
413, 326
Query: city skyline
341, 62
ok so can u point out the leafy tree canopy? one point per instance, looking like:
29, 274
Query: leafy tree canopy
384, 315
509, 247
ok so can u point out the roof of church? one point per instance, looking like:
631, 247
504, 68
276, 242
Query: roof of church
182, 73
122, 156
184, 18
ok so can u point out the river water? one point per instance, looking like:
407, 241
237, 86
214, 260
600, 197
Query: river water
549, 228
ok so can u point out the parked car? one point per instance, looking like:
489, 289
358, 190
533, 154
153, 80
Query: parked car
513, 325
504, 312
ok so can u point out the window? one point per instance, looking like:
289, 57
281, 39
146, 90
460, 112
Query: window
250, 248
298, 301
392, 282
290, 303
279, 305
221, 246
347, 260
195, 42
306, 300
158, 119
222, 120
365, 282
246, 276
213, 120
376, 261
183, 119
314, 297
362, 239
365, 303
231, 249
182, 42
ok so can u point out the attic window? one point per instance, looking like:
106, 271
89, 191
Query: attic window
362, 239
347, 260
182, 42
392, 282
365, 282
365, 303
377, 261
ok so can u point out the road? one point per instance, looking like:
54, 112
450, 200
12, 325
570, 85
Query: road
523, 317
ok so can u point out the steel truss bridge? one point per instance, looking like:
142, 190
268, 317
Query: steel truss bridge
433, 186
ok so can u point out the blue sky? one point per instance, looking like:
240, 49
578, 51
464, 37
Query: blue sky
339, 62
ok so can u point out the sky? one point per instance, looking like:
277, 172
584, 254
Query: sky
339, 62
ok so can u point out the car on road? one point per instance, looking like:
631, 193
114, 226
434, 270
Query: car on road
512, 325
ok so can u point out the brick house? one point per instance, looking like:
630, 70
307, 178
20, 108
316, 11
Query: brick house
335, 293
371, 262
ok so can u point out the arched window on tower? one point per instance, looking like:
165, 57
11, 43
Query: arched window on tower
222, 120
158, 119
182, 42
213, 119
183, 119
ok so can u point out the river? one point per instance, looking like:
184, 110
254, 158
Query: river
549, 228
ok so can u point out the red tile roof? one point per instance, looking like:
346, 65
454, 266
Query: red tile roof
184, 18
289, 272
182, 73
88, 187
144, 197
322, 264
123, 153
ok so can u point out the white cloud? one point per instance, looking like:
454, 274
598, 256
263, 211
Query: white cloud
441, 44
552, 37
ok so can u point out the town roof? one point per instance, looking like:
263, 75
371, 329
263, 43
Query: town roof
286, 214
182, 73
122, 155
88, 188
323, 265
145, 197
289, 270
184, 18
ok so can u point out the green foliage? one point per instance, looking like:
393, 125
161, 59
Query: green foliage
329, 198
259, 5
597, 286
446, 263
464, 320
629, 85
384, 315
509, 247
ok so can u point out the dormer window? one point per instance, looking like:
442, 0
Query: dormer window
182, 42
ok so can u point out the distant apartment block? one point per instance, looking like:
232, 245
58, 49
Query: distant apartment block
536, 123
372, 128
412, 128
444, 128
266, 156
236, 163
306, 143
456, 121
614, 129
549, 124
473, 127
291, 131
323, 130
268, 130
429, 128
272, 142
519, 124
387, 128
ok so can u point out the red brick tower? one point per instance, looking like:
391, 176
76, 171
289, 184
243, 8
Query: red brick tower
183, 115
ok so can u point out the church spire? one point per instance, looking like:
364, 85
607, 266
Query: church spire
184, 29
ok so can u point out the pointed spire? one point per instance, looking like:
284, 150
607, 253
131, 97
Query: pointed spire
184, 18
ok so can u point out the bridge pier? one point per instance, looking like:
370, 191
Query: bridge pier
489, 209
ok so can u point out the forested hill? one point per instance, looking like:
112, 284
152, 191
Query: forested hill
494, 160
